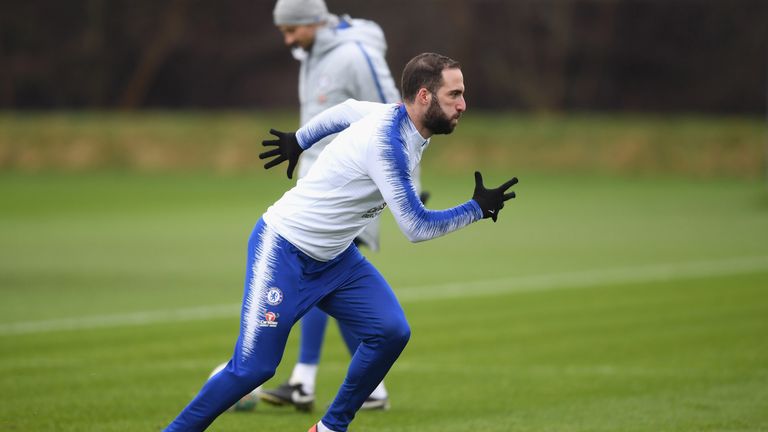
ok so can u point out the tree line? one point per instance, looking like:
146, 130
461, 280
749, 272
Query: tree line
542, 55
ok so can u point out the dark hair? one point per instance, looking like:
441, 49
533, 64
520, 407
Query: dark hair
425, 71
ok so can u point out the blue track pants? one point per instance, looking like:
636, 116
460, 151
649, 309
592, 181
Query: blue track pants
313, 326
281, 285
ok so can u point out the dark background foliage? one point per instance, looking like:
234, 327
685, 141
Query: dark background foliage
542, 55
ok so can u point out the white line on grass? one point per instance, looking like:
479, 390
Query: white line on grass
201, 313
587, 278
488, 287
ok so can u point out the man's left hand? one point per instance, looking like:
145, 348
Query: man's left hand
288, 149
491, 201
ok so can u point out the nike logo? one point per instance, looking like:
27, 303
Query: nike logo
491, 211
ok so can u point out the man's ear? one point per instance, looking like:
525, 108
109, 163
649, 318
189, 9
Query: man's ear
423, 97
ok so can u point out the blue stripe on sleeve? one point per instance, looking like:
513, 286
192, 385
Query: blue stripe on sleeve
313, 132
423, 223
331, 121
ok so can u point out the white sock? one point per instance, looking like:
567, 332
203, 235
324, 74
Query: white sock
323, 428
380, 392
304, 374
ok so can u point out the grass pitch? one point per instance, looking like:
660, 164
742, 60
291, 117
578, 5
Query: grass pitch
594, 304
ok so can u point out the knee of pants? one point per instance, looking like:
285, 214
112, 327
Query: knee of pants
397, 333
255, 374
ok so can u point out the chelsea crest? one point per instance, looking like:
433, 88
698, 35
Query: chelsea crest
274, 296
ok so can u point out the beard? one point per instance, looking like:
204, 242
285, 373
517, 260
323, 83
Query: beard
436, 120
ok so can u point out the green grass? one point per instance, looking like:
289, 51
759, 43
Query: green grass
582, 309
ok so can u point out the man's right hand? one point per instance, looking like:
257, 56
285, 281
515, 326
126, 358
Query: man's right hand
491, 201
288, 149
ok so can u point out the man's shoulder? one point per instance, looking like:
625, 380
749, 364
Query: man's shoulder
345, 52
373, 117
373, 113
353, 52
381, 125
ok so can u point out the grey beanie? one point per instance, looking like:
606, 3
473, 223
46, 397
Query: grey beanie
297, 12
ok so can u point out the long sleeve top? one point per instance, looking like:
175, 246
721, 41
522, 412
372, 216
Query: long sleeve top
369, 166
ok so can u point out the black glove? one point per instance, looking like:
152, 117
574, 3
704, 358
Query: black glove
491, 201
288, 149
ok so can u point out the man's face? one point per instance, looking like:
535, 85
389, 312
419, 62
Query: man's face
298, 36
447, 104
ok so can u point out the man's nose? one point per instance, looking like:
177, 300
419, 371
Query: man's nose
462, 105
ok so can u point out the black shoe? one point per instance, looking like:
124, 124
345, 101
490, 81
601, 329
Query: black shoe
424, 196
372, 403
287, 394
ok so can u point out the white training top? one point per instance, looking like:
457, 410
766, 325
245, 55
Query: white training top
366, 168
